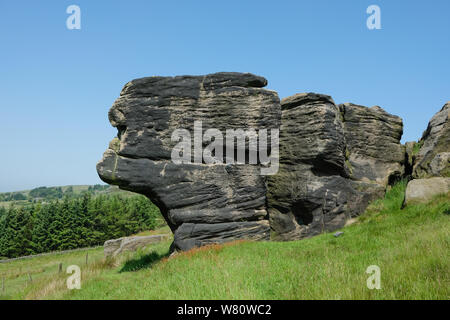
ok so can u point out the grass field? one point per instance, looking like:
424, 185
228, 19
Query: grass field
410, 245
16, 274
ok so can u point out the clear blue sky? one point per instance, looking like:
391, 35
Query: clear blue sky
57, 84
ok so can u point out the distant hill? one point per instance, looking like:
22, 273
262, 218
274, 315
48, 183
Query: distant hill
45, 194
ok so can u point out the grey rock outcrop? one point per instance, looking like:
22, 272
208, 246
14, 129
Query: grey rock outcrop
433, 158
333, 159
316, 188
202, 203
114, 247
423, 190
372, 137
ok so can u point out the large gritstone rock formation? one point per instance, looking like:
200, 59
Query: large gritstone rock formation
202, 202
433, 158
333, 161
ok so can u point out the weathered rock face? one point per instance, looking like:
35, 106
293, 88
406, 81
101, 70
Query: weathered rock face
312, 191
202, 203
423, 190
372, 137
433, 158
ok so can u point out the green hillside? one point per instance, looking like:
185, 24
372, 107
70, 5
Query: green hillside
46, 194
410, 245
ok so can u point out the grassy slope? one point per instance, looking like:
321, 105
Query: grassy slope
411, 246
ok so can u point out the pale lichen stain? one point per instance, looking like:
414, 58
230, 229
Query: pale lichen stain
163, 171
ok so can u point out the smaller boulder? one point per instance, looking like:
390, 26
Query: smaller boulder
423, 190
116, 246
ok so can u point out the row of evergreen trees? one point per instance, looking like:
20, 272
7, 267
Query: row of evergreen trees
73, 223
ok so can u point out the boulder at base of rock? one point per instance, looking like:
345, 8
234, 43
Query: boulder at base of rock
423, 190
112, 248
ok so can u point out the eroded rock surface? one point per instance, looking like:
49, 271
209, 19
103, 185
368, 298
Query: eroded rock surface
202, 203
372, 137
318, 187
433, 158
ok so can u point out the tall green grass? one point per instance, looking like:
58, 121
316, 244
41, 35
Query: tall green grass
410, 245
